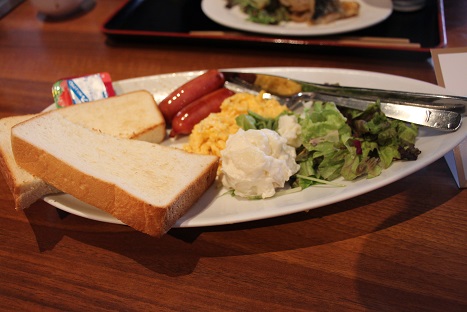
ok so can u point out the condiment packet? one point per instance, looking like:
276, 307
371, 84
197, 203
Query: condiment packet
70, 91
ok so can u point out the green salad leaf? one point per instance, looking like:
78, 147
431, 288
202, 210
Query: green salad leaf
351, 143
324, 135
253, 120
269, 12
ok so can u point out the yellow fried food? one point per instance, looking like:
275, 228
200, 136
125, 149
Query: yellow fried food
278, 85
210, 135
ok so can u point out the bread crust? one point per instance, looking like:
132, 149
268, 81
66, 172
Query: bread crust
133, 211
25, 189
155, 134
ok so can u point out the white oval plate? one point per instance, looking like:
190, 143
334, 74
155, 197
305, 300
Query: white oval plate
371, 13
214, 209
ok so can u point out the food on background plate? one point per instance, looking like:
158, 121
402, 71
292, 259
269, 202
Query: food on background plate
312, 12
145, 185
134, 115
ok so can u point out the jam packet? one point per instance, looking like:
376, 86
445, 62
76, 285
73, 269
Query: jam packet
67, 92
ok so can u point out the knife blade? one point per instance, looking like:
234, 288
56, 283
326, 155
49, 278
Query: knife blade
429, 112
440, 119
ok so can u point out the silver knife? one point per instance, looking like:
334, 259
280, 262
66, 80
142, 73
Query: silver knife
441, 112
441, 119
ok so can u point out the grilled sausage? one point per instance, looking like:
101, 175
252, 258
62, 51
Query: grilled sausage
189, 92
196, 111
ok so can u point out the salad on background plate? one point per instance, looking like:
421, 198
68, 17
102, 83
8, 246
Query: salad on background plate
275, 18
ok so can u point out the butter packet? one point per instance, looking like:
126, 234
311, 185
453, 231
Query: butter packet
70, 91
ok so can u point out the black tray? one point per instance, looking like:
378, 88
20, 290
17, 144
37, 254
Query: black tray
183, 20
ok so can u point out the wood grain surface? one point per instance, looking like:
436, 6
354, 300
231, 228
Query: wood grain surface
399, 248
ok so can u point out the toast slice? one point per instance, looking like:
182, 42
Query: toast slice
147, 186
26, 188
134, 115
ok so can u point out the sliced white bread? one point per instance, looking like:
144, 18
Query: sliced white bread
147, 186
134, 115
26, 188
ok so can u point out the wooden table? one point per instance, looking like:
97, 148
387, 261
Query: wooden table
399, 248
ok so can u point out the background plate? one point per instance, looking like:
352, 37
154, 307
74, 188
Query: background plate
371, 13
183, 21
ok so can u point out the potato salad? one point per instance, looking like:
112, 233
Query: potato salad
256, 162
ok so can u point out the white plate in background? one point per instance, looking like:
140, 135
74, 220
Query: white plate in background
371, 13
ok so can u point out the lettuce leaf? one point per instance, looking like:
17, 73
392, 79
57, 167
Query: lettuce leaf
269, 12
253, 120
351, 143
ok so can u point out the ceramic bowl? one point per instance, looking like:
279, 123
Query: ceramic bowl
56, 8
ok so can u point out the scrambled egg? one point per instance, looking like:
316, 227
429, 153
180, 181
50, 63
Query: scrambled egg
210, 135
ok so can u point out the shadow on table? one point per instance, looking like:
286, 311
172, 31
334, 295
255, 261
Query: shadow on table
178, 252
390, 278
